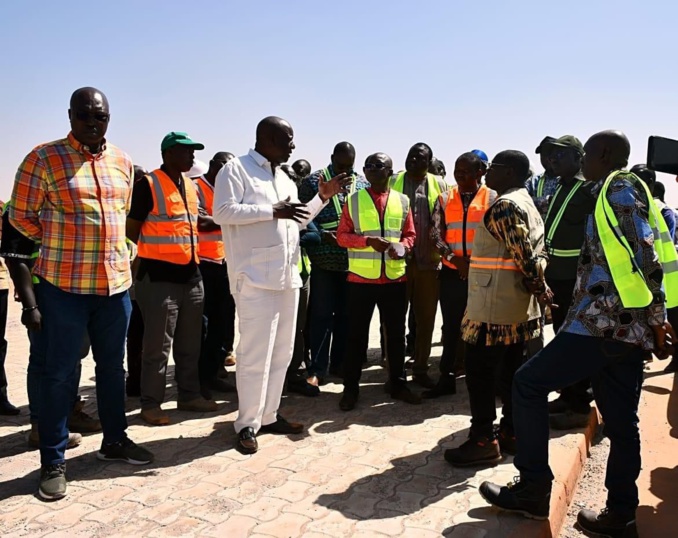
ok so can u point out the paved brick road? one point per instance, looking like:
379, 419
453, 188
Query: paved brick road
374, 472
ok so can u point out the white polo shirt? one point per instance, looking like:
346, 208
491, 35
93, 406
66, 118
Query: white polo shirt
260, 250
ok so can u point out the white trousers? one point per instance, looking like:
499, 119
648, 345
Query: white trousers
267, 325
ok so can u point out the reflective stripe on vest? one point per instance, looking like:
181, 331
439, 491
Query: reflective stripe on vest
211, 243
626, 274
433, 190
494, 263
169, 233
556, 221
540, 186
335, 200
304, 264
367, 262
461, 223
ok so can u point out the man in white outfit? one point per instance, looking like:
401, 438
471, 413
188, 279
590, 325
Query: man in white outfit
257, 206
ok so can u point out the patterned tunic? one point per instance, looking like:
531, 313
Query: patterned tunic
596, 307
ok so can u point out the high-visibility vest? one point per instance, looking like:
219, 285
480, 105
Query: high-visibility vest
335, 201
434, 190
553, 225
211, 243
304, 265
461, 223
626, 275
367, 262
170, 231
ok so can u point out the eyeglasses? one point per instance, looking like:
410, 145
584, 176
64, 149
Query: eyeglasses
494, 165
375, 166
97, 116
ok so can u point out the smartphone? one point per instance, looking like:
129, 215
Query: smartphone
662, 155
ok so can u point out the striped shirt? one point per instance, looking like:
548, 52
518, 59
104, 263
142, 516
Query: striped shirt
75, 204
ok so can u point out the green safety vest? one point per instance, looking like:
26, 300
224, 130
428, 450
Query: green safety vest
366, 262
556, 252
335, 200
626, 275
434, 191
304, 265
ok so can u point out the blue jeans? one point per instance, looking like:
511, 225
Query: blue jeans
329, 320
67, 319
616, 372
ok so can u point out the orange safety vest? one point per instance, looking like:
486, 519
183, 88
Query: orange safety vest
211, 243
461, 224
170, 231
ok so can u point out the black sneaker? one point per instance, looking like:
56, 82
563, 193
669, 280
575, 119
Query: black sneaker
404, 394
527, 498
447, 385
607, 523
475, 451
125, 450
52, 482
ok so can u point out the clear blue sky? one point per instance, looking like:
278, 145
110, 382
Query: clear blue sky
381, 74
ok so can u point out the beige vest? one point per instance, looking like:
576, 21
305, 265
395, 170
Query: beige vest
496, 291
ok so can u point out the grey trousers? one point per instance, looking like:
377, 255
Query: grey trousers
172, 316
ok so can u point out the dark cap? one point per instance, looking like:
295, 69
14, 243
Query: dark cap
569, 141
176, 138
547, 140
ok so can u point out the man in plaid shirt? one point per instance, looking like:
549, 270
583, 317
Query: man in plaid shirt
72, 195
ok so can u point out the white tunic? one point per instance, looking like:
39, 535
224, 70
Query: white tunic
261, 251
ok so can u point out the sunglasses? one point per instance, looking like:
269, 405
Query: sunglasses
497, 165
375, 166
97, 116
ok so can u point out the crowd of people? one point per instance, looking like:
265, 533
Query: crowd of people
109, 257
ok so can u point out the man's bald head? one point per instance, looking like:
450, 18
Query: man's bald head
275, 139
378, 170
604, 153
89, 116
88, 94
343, 158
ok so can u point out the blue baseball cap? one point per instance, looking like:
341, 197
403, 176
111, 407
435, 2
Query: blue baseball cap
480, 153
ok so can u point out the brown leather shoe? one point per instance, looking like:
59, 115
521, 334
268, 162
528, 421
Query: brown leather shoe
283, 427
154, 416
247, 441
230, 359
74, 439
197, 405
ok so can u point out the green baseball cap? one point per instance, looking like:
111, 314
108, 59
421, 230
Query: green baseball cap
175, 138
569, 141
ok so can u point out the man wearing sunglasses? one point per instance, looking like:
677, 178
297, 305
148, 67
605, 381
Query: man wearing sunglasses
72, 195
329, 317
506, 275
378, 230
565, 228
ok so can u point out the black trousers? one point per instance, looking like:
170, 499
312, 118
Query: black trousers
490, 371
453, 298
300, 355
4, 298
391, 300
580, 395
218, 318
135, 339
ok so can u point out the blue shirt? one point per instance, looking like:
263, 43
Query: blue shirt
596, 306
324, 256
548, 190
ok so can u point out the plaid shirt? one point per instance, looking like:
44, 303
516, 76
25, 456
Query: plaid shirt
75, 204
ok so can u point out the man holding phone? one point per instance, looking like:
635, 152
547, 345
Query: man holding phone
377, 228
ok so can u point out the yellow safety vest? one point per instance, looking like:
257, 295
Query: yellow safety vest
304, 264
329, 226
434, 191
626, 275
366, 262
